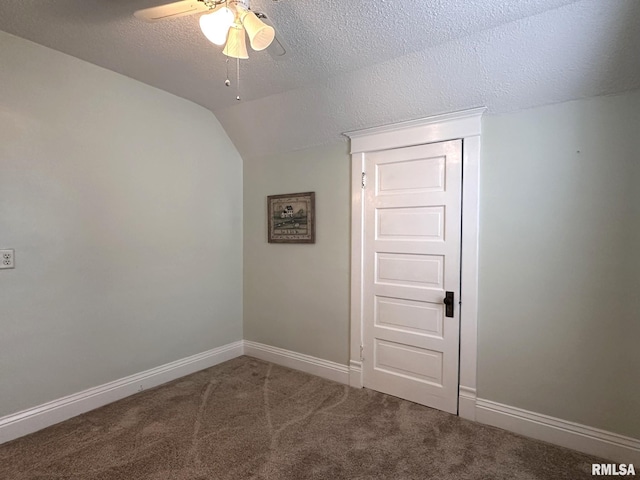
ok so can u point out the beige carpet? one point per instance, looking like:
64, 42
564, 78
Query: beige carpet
248, 419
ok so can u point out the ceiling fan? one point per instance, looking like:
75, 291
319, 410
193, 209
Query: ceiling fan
224, 22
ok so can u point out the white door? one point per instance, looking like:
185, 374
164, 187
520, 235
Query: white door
411, 259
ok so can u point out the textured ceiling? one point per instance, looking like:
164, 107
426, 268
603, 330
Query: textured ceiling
356, 63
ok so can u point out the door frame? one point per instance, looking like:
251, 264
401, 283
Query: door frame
465, 125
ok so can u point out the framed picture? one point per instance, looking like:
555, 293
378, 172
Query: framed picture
291, 218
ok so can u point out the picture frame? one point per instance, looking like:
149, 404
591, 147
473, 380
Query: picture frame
291, 218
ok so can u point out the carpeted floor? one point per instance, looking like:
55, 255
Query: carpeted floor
248, 419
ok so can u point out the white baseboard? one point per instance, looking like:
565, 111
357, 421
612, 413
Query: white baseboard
355, 374
298, 361
572, 435
467, 403
47, 414
582, 438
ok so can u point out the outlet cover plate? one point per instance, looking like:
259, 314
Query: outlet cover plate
7, 259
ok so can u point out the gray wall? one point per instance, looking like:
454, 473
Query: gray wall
123, 204
296, 296
559, 309
559, 317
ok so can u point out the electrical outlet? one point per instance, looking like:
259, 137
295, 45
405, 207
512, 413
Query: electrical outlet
7, 259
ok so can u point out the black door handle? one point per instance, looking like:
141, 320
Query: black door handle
448, 301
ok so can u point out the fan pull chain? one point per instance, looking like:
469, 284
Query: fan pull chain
227, 82
238, 79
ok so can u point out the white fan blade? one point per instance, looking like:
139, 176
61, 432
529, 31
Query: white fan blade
171, 10
276, 49
279, 50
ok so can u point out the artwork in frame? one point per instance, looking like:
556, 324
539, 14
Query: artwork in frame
291, 218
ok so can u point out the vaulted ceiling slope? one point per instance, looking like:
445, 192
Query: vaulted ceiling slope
357, 63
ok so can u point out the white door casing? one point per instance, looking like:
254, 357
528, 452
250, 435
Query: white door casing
464, 125
411, 258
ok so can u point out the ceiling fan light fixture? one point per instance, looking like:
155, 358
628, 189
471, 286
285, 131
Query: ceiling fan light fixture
236, 46
215, 26
260, 34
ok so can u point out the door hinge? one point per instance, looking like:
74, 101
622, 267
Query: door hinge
364, 180
361, 353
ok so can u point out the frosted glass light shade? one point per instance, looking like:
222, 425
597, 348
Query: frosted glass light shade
260, 34
215, 26
236, 43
